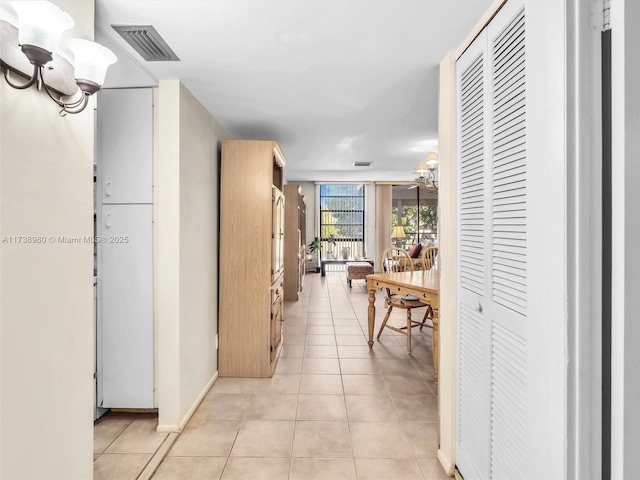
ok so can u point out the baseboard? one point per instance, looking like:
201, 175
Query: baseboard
196, 404
169, 428
178, 428
133, 410
448, 466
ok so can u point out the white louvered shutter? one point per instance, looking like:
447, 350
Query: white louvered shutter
508, 306
511, 287
474, 348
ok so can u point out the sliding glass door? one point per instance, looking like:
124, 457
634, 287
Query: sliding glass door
416, 211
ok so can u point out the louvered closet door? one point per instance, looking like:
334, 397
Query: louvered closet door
474, 359
507, 304
511, 277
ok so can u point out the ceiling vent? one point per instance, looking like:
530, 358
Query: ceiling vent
147, 42
361, 164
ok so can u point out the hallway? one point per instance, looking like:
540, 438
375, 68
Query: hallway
333, 410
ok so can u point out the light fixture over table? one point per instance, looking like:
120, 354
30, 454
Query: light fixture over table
427, 170
74, 70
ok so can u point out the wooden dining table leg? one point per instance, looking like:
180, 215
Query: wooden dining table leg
436, 345
371, 315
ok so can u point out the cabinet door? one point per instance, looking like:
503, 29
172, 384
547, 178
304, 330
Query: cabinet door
275, 328
125, 306
125, 137
277, 234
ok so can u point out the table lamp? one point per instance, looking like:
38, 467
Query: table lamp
398, 234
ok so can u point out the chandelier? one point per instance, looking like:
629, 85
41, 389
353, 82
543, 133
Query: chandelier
427, 170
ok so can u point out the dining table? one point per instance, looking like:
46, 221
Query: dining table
422, 283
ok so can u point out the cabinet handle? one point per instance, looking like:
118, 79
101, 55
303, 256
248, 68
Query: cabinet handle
479, 307
107, 189
107, 220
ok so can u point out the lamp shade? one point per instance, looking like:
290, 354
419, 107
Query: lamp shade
398, 232
90, 60
431, 161
422, 168
41, 24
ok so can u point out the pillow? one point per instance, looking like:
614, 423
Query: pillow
415, 250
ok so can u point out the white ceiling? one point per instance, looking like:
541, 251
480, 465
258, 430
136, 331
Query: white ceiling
334, 81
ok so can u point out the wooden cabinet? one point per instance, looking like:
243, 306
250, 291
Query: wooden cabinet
277, 290
294, 248
251, 257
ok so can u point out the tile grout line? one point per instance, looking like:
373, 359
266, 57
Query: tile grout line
112, 441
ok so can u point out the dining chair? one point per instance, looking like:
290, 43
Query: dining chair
398, 260
428, 257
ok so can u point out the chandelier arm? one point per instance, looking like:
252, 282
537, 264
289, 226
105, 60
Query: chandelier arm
76, 107
429, 184
78, 103
46, 89
73, 107
33, 79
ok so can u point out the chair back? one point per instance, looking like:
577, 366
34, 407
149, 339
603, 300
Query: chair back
428, 257
396, 260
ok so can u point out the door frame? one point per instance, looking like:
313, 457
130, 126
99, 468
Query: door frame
625, 251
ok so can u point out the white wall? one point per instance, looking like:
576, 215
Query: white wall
625, 416
186, 196
46, 289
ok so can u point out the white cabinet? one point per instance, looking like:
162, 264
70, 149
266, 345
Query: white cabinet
125, 130
126, 304
124, 229
511, 277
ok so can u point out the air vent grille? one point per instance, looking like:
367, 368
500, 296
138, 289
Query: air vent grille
147, 42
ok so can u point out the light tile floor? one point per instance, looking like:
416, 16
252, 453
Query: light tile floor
334, 409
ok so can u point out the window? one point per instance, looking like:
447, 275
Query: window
417, 212
342, 220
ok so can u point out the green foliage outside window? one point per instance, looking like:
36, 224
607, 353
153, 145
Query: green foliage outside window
417, 222
342, 211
